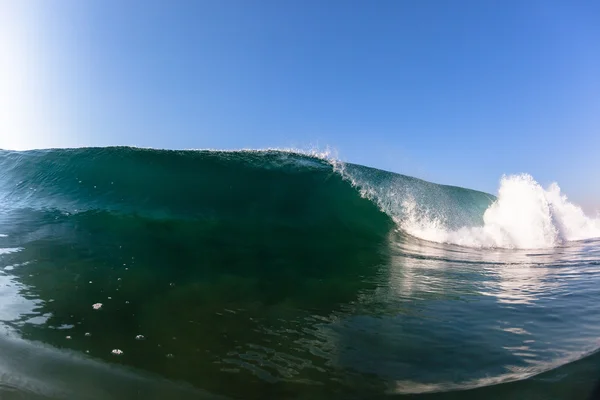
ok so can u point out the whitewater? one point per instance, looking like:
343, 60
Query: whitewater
524, 216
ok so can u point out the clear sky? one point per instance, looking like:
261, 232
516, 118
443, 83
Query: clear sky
456, 92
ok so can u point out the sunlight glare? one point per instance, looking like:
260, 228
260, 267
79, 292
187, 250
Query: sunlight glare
21, 108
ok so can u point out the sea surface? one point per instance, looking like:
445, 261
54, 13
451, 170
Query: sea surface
150, 274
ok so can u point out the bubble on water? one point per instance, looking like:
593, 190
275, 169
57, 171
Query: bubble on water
97, 306
140, 337
117, 352
170, 355
87, 334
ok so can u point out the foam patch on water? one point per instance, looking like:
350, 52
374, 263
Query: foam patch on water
9, 250
525, 215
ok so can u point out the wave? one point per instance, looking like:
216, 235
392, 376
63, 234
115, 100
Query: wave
290, 188
186, 237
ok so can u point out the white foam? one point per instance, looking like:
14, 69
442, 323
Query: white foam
525, 215
9, 250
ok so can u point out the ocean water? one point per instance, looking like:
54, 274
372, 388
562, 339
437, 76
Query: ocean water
151, 274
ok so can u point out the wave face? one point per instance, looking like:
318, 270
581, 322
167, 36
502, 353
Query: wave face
245, 187
275, 274
278, 185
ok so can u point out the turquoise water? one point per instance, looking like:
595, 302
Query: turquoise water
267, 275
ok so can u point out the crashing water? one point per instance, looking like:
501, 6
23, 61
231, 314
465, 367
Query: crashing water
524, 216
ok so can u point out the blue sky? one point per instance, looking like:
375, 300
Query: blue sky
453, 92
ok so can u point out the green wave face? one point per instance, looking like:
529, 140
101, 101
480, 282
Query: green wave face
167, 241
270, 186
